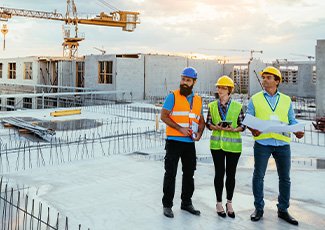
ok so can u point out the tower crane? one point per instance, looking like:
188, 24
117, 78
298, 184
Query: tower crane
127, 20
304, 55
100, 50
4, 31
239, 50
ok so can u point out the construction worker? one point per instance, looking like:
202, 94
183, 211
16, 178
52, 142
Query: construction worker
182, 113
270, 104
225, 118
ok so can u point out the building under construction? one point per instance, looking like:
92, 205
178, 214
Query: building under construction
141, 77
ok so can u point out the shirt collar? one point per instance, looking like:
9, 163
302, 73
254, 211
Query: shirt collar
267, 94
226, 104
191, 95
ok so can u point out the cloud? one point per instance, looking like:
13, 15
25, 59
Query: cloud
275, 39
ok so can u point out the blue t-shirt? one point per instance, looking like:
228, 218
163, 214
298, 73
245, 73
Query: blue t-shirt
169, 105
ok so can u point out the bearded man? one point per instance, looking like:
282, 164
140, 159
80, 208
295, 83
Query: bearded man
183, 115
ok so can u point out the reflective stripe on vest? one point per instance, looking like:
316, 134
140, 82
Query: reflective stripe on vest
182, 113
225, 140
263, 111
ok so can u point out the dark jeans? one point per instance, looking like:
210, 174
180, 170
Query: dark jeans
174, 151
282, 157
224, 162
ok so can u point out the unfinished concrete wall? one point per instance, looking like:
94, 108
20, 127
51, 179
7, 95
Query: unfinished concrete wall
20, 70
208, 73
130, 77
67, 73
320, 78
306, 86
91, 72
162, 73
254, 67
227, 69
303, 85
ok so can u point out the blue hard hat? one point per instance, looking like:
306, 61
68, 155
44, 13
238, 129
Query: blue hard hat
189, 72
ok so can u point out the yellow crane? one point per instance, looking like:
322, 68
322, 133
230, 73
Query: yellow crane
4, 31
127, 20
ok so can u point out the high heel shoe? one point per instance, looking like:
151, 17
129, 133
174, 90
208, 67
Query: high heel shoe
230, 214
221, 213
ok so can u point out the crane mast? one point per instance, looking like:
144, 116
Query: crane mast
127, 20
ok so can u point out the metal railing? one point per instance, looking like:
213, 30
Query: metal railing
28, 155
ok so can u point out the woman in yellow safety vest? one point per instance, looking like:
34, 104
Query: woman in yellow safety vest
225, 118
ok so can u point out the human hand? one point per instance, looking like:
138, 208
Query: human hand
255, 132
228, 128
299, 134
196, 136
215, 127
185, 131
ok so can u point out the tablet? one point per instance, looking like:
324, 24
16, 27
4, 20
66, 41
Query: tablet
225, 124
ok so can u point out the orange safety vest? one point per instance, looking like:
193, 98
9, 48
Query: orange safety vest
182, 113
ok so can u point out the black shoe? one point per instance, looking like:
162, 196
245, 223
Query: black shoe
287, 217
168, 212
230, 214
222, 214
257, 215
190, 209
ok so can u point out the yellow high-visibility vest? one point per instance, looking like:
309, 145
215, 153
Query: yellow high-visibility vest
225, 140
263, 111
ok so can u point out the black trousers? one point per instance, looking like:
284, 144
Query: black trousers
174, 151
224, 162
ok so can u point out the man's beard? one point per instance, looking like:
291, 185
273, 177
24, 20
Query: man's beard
185, 90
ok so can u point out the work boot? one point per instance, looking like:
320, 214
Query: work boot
168, 212
190, 208
287, 217
257, 215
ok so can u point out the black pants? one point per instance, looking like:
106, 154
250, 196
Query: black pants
174, 151
220, 168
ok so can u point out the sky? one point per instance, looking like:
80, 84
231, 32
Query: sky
229, 30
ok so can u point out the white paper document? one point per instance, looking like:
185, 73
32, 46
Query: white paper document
195, 127
271, 126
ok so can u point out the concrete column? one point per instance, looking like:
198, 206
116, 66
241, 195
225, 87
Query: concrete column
254, 67
320, 82
305, 86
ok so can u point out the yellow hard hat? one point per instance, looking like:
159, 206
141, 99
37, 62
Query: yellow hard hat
272, 70
225, 81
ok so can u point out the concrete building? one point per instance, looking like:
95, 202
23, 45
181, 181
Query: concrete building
320, 79
29, 74
239, 72
146, 75
140, 76
299, 77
